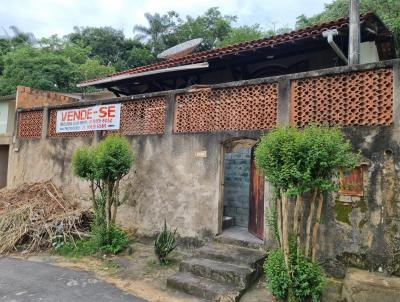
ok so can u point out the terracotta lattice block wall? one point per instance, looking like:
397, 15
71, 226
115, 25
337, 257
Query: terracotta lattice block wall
352, 99
30, 124
250, 107
143, 116
52, 128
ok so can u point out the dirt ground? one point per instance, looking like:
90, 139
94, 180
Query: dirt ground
139, 273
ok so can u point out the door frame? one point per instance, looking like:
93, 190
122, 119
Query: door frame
225, 146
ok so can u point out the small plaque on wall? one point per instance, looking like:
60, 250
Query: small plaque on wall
200, 154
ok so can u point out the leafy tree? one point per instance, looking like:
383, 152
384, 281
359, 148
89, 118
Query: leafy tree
105, 43
18, 37
104, 165
242, 34
212, 26
387, 10
277, 31
10, 41
92, 69
159, 26
138, 55
30, 66
297, 161
164, 31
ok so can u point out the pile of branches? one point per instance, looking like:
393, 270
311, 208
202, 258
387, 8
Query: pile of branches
33, 215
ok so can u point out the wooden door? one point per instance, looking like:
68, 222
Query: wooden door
256, 201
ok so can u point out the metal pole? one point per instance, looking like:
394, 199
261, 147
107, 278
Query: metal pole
354, 32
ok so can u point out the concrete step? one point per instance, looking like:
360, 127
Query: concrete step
239, 236
232, 254
202, 287
227, 222
222, 272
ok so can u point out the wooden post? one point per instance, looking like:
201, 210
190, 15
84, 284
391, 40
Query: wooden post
354, 32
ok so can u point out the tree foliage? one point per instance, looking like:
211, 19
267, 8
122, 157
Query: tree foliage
104, 165
296, 161
30, 66
105, 43
58, 63
242, 34
212, 26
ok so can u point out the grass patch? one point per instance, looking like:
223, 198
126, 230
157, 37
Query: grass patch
156, 265
96, 244
77, 249
109, 264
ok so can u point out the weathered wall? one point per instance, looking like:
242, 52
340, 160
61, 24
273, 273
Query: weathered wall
364, 231
178, 176
167, 182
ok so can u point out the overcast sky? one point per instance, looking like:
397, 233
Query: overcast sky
47, 17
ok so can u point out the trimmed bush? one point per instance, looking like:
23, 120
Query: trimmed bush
306, 279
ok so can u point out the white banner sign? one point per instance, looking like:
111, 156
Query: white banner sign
101, 117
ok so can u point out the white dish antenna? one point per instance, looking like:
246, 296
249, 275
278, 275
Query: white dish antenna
180, 50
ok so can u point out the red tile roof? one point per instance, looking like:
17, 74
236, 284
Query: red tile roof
204, 56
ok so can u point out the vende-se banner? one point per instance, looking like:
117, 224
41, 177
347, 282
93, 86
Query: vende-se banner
101, 117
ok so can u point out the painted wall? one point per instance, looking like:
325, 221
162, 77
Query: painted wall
3, 117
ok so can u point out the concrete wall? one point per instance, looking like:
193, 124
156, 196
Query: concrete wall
167, 182
363, 231
178, 177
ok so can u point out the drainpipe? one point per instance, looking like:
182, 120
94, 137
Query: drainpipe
354, 32
329, 34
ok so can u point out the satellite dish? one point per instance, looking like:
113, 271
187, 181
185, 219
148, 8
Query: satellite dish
180, 50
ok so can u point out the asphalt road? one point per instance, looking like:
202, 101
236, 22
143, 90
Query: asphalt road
23, 281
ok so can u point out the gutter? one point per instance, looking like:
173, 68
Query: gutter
141, 74
329, 34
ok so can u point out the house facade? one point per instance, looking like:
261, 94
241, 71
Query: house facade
193, 123
7, 119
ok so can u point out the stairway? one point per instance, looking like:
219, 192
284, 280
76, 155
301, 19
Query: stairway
218, 272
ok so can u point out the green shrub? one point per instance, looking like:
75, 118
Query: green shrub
101, 240
306, 281
117, 240
275, 270
164, 244
104, 165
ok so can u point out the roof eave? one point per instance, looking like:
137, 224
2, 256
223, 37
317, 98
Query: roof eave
142, 74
